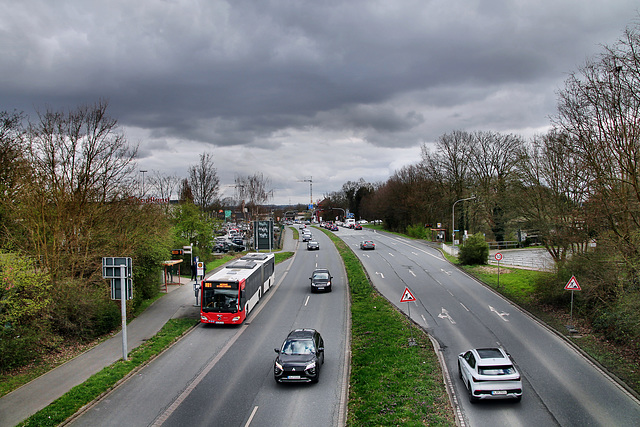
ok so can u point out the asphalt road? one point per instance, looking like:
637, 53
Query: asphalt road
561, 387
223, 376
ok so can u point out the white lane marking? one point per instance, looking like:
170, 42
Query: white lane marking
306, 301
255, 409
414, 274
391, 254
425, 320
499, 314
445, 315
463, 306
380, 274
448, 273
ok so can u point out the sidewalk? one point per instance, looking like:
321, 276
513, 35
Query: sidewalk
39, 393
30, 398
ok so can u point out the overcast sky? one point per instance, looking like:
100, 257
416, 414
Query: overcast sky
333, 90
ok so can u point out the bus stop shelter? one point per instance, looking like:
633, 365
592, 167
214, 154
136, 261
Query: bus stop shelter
169, 270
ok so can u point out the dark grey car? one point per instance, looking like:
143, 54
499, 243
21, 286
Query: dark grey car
300, 357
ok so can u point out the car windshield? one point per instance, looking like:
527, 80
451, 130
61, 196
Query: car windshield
321, 276
298, 347
496, 370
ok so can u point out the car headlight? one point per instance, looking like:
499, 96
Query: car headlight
235, 319
310, 366
278, 367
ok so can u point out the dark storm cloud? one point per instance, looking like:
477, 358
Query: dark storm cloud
248, 73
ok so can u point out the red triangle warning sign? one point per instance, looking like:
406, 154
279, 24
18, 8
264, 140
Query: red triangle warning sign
572, 285
407, 296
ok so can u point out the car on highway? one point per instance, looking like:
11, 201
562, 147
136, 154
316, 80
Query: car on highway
300, 357
306, 237
321, 280
367, 244
357, 226
334, 227
489, 373
312, 245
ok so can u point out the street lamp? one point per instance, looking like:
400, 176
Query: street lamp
453, 219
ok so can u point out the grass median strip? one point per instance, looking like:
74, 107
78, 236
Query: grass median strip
67, 405
392, 383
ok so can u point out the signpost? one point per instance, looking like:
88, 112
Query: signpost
572, 285
119, 270
498, 257
408, 297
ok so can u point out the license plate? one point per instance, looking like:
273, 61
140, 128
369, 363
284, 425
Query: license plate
498, 392
294, 377
320, 288
219, 323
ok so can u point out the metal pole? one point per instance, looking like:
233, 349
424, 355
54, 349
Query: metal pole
123, 308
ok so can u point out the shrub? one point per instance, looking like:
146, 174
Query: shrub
474, 251
417, 231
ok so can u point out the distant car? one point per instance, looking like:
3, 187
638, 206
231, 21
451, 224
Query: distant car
357, 227
300, 357
312, 245
334, 227
489, 373
225, 247
321, 280
367, 244
306, 237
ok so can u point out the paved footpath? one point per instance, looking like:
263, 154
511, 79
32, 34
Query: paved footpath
39, 393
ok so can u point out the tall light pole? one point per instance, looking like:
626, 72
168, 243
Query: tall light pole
310, 181
453, 219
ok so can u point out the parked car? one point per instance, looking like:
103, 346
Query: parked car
224, 247
489, 373
300, 357
321, 280
367, 244
312, 245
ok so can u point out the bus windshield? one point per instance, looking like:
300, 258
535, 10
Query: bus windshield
220, 300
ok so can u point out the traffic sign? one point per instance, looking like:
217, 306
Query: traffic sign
572, 285
407, 296
498, 256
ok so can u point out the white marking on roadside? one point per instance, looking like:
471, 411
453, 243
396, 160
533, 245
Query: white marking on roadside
380, 274
415, 253
463, 306
448, 273
414, 274
255, 409
499, 314
391, 254
306, 301
425, 320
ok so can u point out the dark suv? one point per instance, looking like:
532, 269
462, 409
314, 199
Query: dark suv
300, 357
321, 280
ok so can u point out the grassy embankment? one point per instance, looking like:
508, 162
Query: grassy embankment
392, 382
103, 381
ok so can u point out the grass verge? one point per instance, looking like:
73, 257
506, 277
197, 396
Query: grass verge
392, 382
101, 382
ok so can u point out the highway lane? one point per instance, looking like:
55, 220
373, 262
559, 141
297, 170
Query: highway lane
561, 387
223, 375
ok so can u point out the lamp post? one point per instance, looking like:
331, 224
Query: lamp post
453, 219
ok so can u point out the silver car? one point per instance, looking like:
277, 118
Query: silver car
489, 373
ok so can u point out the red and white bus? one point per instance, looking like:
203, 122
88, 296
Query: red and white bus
229, 295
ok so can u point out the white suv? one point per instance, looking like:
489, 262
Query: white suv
489, 373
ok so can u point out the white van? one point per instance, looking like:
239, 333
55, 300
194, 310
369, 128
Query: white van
350, 222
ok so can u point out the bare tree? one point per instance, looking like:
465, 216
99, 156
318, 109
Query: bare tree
599, 108
81, 166
255, 189
554, 191
204, 181
164, 185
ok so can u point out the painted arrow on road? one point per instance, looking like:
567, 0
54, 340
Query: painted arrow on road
380, 274
499, 314
445, 315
